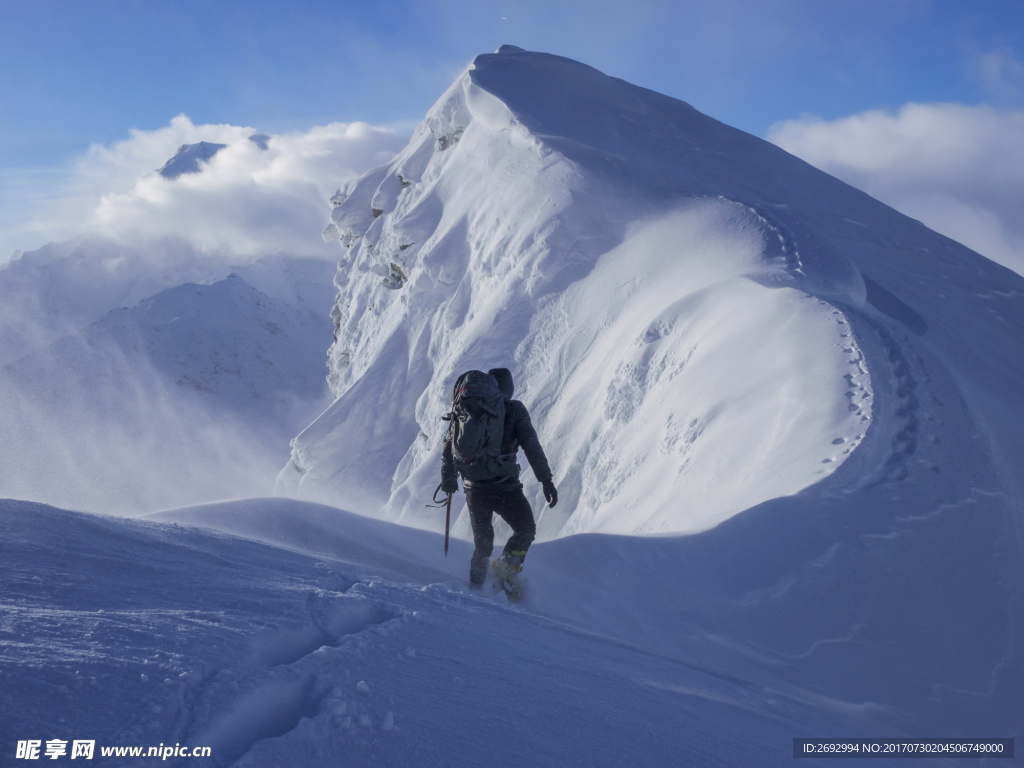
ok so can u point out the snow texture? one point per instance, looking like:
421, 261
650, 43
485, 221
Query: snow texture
288, 633
812, 400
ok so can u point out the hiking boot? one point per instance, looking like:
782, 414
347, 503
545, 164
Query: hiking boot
513, 559
505, 576
504, 570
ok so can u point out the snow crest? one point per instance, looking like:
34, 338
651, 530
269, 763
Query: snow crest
679, 359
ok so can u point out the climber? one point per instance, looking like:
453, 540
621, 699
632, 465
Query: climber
487, 429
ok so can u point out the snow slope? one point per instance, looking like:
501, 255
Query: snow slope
323, 637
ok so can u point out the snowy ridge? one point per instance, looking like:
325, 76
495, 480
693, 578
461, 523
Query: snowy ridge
701, 326
486, 241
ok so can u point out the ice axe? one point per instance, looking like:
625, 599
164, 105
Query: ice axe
447, 520
447, 515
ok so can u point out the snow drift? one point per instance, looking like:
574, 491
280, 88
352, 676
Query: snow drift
289, 633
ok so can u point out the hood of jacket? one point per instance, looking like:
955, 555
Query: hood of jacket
504, 379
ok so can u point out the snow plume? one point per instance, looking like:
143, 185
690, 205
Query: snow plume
958, 169
128, 444
191, 395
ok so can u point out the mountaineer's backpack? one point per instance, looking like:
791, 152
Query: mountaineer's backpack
477, 426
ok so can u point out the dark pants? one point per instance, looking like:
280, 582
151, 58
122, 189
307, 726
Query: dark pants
515, 510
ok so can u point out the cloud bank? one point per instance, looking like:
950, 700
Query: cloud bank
251, 198
958, 169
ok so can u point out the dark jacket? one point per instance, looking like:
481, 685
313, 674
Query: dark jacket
518, 433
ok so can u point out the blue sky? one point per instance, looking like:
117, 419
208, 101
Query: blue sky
74, 75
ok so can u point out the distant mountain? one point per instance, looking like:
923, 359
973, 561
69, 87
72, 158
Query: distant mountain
190, 394
63, 287
228, 343
188, 158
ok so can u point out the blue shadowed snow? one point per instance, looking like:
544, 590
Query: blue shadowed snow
351, 640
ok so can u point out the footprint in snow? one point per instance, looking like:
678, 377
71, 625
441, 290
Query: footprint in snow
332, 618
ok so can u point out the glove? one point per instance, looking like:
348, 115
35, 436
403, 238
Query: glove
450, 486
550, 493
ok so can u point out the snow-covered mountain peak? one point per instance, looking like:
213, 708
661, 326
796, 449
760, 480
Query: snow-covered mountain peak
189, 157
261, 140
672, 294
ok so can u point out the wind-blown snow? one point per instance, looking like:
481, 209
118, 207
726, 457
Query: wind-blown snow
190, 395
63, 287
168, 355
136, 378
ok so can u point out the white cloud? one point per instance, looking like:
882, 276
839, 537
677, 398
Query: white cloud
246, 201
958, 169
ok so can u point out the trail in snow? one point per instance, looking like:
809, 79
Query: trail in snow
150, 633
